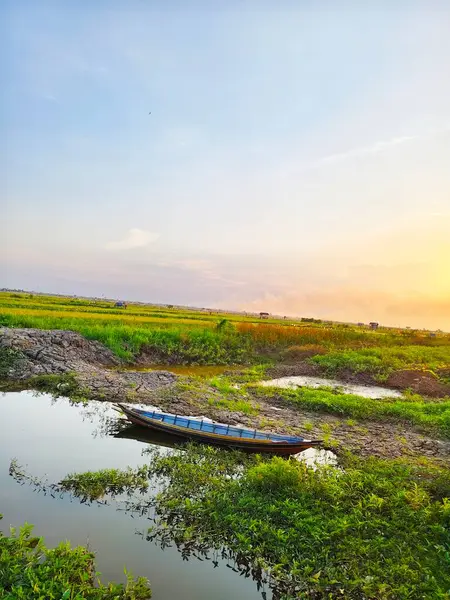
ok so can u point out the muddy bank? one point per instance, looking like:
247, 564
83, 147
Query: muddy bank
56, 352
424, 383
52, 352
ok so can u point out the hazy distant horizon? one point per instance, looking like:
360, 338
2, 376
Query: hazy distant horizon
295, 161
200, 307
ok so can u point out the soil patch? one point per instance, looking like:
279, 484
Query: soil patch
53, 352
421, 382
291, 370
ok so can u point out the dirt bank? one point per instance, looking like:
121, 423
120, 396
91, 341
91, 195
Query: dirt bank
57, 352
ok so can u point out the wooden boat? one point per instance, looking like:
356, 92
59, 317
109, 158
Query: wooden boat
208, 432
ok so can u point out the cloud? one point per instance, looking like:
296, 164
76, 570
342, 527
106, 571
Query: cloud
49, 97
135, 238
379, 146
372, 149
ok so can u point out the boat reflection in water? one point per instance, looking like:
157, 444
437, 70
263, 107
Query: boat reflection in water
147, 436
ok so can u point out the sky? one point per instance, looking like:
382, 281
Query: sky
296, 159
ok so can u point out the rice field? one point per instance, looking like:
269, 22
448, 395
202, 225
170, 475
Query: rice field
183, 336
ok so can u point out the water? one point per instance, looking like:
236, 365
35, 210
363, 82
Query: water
53, 439
366, 391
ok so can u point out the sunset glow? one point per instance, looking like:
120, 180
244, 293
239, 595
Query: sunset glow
296, 160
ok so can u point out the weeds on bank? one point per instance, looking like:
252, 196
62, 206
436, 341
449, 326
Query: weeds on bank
430, 416
64, 385
9, 358
31, 571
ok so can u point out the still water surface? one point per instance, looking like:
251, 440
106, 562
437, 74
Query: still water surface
366, 391
52, 438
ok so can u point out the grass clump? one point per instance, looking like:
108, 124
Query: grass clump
31, 571
295, 353
9, 359
238, 404
93, 485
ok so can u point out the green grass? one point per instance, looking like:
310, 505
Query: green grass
373, 529
93, 485
429, 416
31, 571
381, 362
240, 405
177, 344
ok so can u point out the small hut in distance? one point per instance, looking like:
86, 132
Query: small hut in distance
263, 315
120, 304
373, 325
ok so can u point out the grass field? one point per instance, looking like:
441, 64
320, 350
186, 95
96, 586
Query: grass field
197, 337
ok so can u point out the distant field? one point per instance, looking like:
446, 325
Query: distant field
201, 337
57, 303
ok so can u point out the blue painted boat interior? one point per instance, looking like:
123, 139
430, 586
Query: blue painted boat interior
216, 428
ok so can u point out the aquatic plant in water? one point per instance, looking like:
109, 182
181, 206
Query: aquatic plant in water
31, 571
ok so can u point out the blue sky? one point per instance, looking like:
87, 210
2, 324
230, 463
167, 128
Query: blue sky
296, 158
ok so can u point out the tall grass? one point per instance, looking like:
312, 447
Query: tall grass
383, 361
265, 336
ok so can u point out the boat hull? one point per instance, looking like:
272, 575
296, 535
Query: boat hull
247, 445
